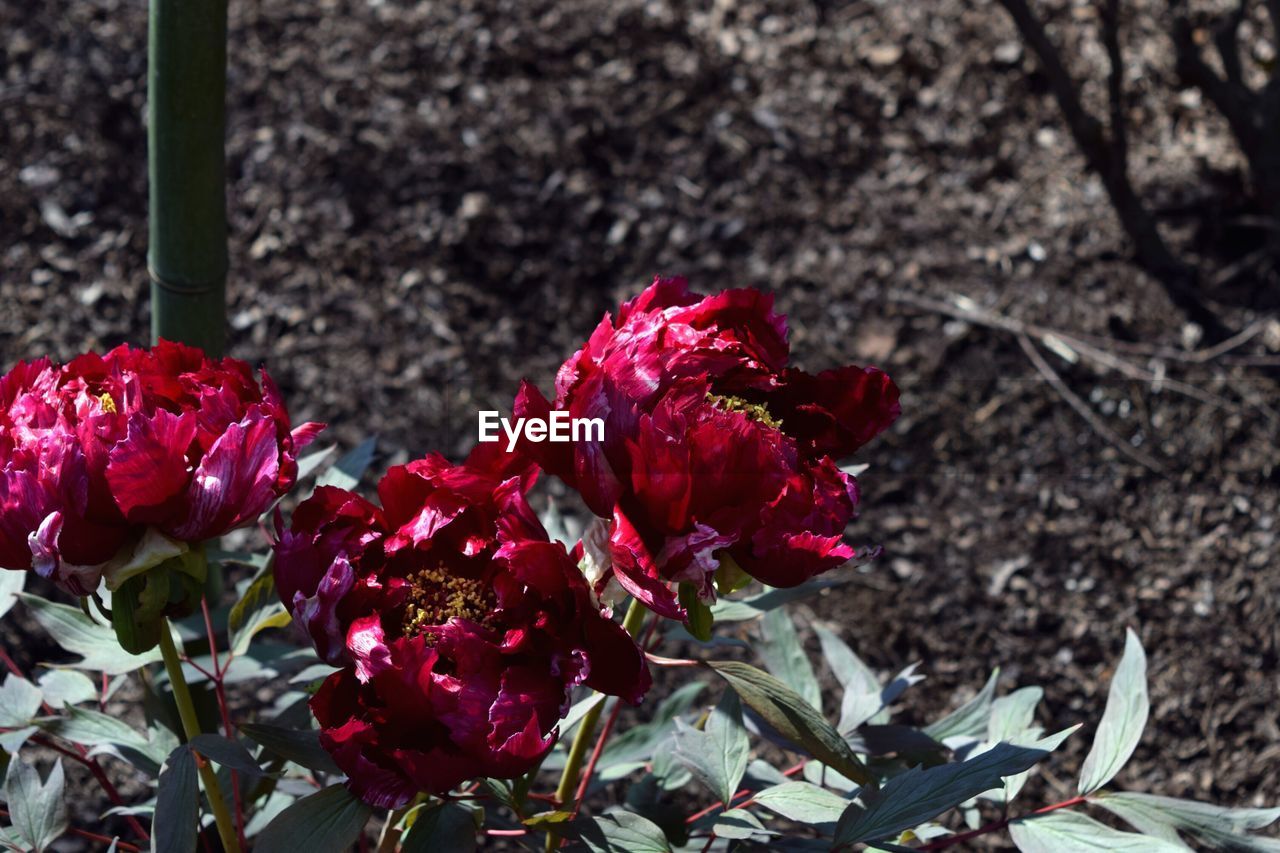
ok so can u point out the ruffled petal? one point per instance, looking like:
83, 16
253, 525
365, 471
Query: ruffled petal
234, 482
837, 411
149, 468
637, 572
317, 614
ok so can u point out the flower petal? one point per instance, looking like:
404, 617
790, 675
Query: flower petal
148, 469
235, 481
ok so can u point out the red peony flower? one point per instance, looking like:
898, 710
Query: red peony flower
111, 464
712, 445
460, 627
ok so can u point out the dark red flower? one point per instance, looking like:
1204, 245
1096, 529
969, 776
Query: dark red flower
137, 449
712, 445
460, 628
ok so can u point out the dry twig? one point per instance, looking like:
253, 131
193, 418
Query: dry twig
1082, 408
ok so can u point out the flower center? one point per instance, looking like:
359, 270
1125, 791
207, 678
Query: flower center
755, 411
436, 596
108, 402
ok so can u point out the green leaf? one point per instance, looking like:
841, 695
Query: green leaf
802, 802
258, 609
640, 742
445, 826
911, 798
848, 668
617, 832
578, 711
328, 821
502, 790
11, 583
62, 687
1071, 832
970, 719
347, 471
1012, 720
36, 809
549, 818
861, 700
792, 717
12, 740
727, 610
78, 634
1216, 827
227, 752
784, 656
699, 620
738, 824
730, 577
1012, 717
301, 746
19, 701
268, 811
717, 755
1013, 784
1122, 721
668, 772
174, 826
310, 463
892, 738
95, 729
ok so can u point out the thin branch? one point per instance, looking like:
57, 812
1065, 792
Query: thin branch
1226, 38
1235, 102
995, 826
1082, 408
1110, 13
1097, 351
1106, 155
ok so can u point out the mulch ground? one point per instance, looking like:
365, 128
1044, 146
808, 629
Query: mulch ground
430, 201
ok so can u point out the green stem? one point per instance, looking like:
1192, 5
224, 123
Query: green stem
191, 726
577, 752
587, 729
390, 837
186, 95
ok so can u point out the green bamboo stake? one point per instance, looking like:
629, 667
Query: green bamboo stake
187, 256
187, 251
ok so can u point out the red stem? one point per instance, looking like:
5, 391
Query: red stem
8, 661
790, 771
605, 731
506, 833
995, 826
647, 643
227, 729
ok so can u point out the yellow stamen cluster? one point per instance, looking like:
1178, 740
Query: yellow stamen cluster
436, 596
108, 402
755, 411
